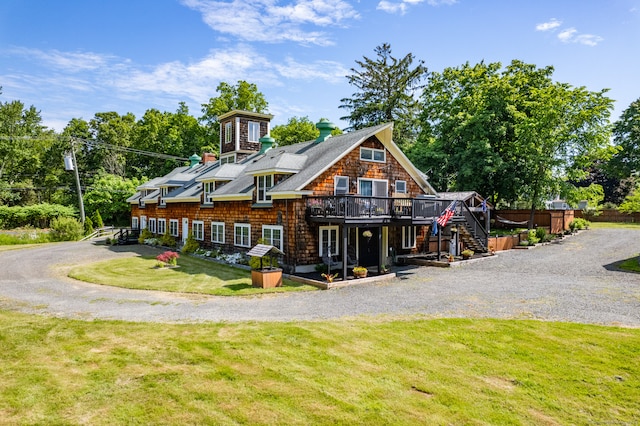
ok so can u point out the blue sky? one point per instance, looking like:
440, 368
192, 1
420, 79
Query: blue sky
73, 58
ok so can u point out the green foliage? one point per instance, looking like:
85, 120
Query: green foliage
541, 234
88, 226
467, 253
631, 203
509, 133
97, 219
626, 134
386, 89
533, 237
267, 262
38, 215
109, 194
145, 234
167, 240
191, 245
297, 130
24, 236
66, 229
578, 224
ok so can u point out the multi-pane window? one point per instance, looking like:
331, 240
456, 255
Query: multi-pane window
197, 229
272, 235
227, 132
264, 184
228, 159
163, 193
208, 188
372, 187
173, 228
254, 131
217, 232
401, 187
341, 185
162, 226
134, 222
408, 237
372, 154
242, 234
329, 240
152, 225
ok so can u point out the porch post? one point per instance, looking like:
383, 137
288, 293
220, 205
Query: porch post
344, 252
439, 242
380, 250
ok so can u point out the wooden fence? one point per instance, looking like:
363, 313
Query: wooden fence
611, 215
556, 221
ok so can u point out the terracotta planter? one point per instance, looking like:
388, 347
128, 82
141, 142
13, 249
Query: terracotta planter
266, 278
360, 274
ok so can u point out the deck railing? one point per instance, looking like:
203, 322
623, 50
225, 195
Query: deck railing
354, 207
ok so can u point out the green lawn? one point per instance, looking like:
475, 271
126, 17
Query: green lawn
404, 370
627, 225
193, 275
632, 264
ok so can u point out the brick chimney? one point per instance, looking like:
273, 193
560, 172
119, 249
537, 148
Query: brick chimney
208, 157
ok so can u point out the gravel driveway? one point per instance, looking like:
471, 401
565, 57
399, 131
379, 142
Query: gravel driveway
574, 280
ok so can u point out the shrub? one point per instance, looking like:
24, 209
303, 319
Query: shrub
97, 219
191, 245
145, 234
66, 229
541, 234
578, 224
533, 239
88, 226
467, 253
168, 258
167, 240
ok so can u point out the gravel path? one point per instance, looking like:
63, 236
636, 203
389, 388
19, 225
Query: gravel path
574, 280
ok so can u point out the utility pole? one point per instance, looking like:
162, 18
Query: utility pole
74, 166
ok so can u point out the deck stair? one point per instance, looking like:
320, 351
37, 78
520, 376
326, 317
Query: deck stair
127, 236
470, 241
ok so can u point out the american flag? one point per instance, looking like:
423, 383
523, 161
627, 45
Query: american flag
447, 214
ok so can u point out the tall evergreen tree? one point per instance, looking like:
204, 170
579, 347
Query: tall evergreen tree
387, 89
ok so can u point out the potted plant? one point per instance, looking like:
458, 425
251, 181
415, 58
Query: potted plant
360, 272
329, 277
384, 269
466, 254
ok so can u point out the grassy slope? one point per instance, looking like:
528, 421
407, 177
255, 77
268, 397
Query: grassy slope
382, 371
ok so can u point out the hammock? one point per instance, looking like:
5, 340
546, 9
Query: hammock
511, 222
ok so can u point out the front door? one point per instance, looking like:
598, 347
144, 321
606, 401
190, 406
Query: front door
368, 247
185, 229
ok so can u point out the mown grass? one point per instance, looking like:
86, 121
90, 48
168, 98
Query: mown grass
406, 370
192, 276
609, 225
632, 264
24, 236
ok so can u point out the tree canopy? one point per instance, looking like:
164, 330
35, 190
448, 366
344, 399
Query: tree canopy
511, 134
296, 130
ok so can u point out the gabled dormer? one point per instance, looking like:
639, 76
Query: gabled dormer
240, 133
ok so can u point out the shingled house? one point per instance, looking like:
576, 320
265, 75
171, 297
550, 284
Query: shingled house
352, 198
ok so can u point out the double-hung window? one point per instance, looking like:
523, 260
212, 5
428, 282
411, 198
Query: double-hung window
162, 226
173, 228
135, 224
197, 229
272, 235
329, 241
217, 232
242, 234
372, 154
163, 193
254, 131
208, 188
152, 225
401, 187
408, 237
264, 185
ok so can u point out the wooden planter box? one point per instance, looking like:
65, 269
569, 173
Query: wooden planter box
267, 278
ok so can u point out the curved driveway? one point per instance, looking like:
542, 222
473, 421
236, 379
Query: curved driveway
574, 280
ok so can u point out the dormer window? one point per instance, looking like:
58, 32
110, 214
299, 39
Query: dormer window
227, 132
265, 183
373, 154
254, 131
163, 193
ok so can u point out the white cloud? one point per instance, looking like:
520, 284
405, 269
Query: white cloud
551, 25
268, 21
69, 61
571, 35
402, 6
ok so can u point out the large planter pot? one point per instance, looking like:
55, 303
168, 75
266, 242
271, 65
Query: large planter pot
360, 274
266, 278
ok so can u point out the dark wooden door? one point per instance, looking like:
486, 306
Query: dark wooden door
368, 248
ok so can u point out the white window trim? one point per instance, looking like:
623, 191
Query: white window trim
197, 230
162, 226
335, 245
143, 222
135, 222
207, 188
273, 228
228, 132
335, 184
373, 186
237, 226
174, 230
263, 188
404, 182
412, 229
217, 224
228, 159
163, 192
373, 151
250, 124
152, 225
